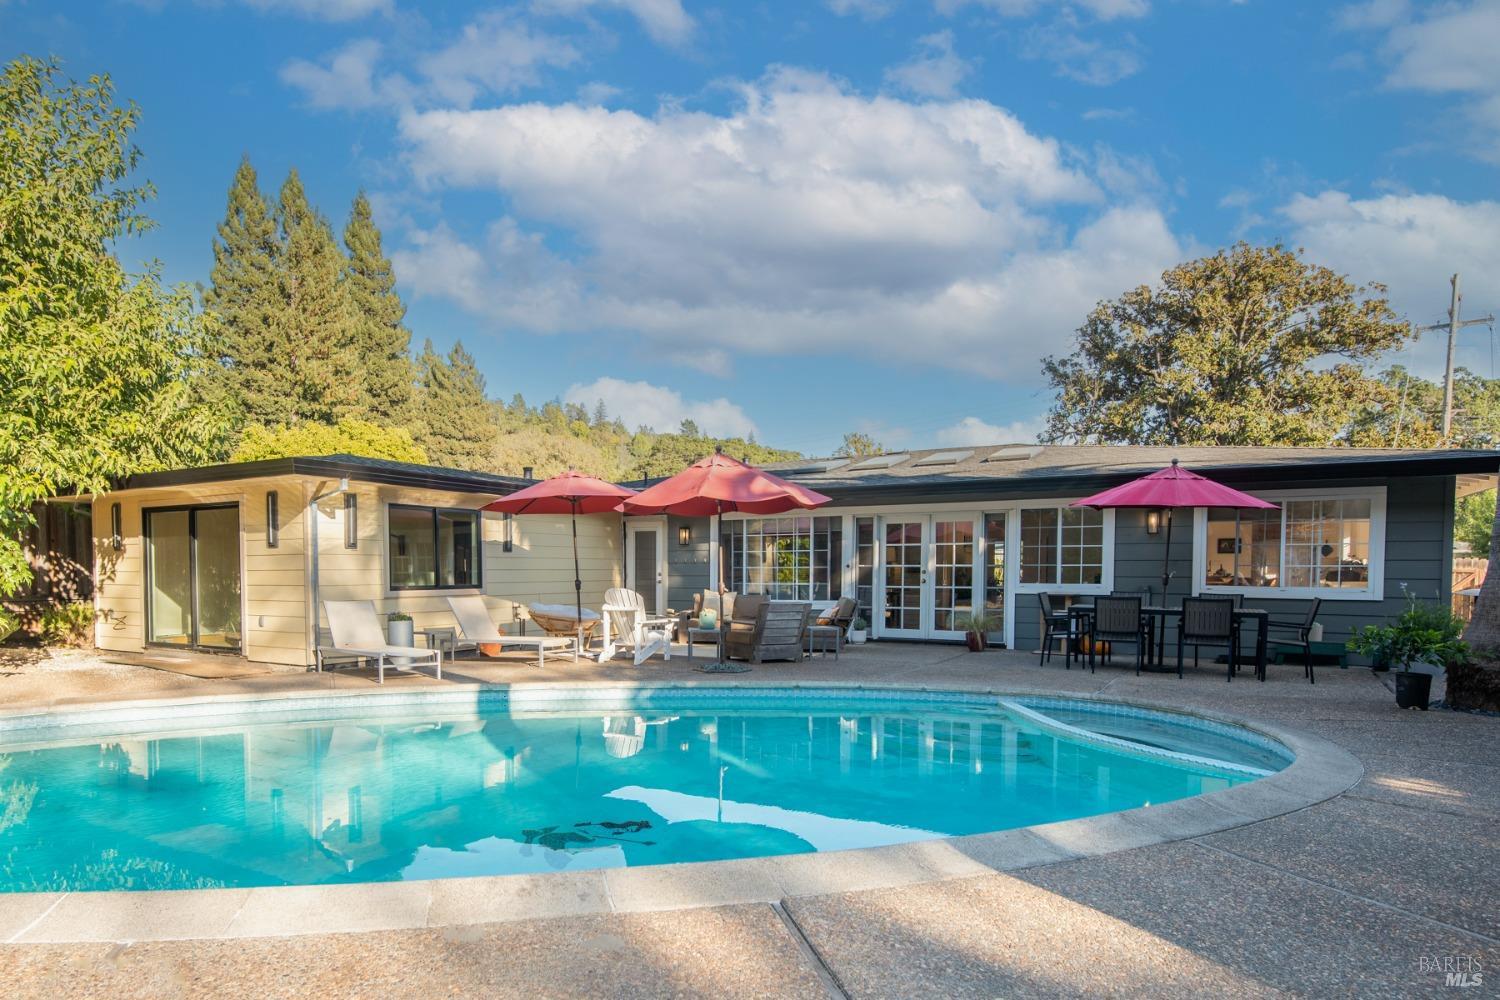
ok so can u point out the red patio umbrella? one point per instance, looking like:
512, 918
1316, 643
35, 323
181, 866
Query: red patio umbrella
1168, 489
717, 484
569, 493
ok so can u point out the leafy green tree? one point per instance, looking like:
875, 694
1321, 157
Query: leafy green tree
1251, 346
99, 369
856, 445
320, 370
383, 342
243, 300
347, 437
1474, 521
457, 428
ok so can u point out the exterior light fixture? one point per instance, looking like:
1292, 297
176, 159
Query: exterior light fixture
508, 540
273, 521
684, 535
1153, 522
116, 531
351, 521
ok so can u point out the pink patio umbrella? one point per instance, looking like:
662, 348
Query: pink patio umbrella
1168, 489
569, 493
717, 484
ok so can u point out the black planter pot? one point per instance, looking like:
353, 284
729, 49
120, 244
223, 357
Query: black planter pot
1413, 690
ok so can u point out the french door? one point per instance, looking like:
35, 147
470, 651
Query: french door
193, 577
928, 573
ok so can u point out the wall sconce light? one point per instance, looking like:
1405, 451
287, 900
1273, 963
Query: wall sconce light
273, 521
508, 539
116, 530
351, 521
684, 535
1153, 522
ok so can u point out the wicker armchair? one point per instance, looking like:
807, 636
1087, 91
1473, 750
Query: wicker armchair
763, 629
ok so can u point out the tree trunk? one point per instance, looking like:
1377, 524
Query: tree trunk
1477, 685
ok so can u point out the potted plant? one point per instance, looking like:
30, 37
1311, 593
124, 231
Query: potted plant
976, 627
858, 629
399, 629
1423, 633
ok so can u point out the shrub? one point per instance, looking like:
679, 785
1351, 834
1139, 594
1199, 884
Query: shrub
9, 623
1423, 633
69, 625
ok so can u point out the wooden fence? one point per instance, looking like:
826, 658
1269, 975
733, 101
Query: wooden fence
1468, 574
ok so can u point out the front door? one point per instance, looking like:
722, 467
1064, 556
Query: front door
193, 577
646, 562
927, 568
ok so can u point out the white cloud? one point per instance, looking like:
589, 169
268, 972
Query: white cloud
1412, 243
935, 71
807, 219
495, 53
641, 404
664, 20
325, 10
597, 92
1450, 49
870, 10
1104, 10
1078, 57
344, 79
1109, 115
971, 431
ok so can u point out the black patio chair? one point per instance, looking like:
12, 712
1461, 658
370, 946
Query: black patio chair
1116, 620
1056, 626
1297, 633
1208, 621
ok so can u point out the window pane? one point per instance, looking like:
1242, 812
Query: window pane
1244, 548
1039, 545
458, 548
994, 572
413, 558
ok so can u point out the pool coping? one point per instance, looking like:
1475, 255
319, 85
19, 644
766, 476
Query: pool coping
1321, 770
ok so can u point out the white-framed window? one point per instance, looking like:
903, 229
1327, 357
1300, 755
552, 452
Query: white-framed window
1318, 543
786, 558
1064, 548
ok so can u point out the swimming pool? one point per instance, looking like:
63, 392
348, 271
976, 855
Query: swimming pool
395, 789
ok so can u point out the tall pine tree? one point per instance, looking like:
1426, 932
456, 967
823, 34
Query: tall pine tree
383, 343
456, 427
317, 327
243, 301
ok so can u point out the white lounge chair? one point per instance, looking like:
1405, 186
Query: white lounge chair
356, 632
628, 625
477, 627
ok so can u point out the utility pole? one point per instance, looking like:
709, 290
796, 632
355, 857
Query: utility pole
1453, 325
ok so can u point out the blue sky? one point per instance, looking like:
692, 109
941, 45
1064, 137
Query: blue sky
805, 218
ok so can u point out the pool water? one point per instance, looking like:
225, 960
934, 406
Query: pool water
417, 794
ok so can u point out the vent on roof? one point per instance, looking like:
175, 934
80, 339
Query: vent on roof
944, 458
879, 462
1014, 453
808, 468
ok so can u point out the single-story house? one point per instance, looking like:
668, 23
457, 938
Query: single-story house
239, 557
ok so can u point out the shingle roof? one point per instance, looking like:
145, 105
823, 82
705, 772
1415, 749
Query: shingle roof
1024, 465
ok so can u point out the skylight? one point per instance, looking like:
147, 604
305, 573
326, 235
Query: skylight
944, 458
1014, 453
879, 462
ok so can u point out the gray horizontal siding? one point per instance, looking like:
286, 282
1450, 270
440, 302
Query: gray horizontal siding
1418, 553
687, 565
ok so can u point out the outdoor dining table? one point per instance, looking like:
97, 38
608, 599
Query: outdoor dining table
1156, 619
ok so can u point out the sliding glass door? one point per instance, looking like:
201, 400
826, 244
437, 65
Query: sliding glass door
193, 577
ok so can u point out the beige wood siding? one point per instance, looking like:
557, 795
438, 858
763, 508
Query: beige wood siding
275, 594
273, 608
538, 568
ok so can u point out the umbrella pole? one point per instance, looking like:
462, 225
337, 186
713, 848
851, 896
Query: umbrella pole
1166, 560
577, 578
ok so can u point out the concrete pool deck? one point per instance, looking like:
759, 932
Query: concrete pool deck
1350, 895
